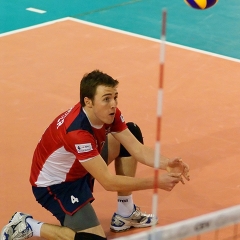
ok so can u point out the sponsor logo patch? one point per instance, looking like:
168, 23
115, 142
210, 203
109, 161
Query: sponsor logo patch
123, 200
122, 118
86, 147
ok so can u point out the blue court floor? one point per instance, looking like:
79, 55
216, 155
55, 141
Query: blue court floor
215, 30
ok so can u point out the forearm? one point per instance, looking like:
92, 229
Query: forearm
124, 183
140, 152
147, 157
163, 162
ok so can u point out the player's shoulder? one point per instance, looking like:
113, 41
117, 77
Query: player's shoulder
65, 117
78, 121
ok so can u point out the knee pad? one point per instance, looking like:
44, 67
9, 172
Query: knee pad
87, 236
136, 131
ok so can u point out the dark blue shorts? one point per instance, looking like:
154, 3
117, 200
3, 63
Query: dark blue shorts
65, 198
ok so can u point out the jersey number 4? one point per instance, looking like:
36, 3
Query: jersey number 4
74, 199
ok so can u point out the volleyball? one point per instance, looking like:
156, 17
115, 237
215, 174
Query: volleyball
201, 4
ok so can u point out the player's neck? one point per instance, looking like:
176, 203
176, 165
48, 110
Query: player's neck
94, 121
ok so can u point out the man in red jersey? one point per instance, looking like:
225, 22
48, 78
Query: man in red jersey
75, 150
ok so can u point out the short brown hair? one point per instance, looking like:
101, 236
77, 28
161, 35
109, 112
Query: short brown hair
91, 81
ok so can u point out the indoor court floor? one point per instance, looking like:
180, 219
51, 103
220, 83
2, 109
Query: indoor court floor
41, 67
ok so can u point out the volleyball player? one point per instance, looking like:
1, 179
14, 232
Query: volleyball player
75, 150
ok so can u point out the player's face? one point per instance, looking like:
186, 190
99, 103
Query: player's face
104, 104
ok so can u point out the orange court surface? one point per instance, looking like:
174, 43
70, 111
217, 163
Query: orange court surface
41, 68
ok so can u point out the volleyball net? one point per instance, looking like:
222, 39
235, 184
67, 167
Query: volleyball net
219, 225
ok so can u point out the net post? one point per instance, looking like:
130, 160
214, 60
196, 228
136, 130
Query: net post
159, 120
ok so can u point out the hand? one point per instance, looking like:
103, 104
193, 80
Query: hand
167, 181
178, 166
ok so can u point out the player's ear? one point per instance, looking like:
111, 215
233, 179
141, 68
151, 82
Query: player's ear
88, 102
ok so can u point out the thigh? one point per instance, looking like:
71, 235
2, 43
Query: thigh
111, 149
65, 198
83, 219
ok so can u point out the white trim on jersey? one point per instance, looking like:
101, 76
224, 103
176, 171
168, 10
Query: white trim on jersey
85, 160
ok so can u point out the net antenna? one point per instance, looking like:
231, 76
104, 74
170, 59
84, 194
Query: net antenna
159, 117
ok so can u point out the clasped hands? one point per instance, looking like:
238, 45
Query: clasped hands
176, 165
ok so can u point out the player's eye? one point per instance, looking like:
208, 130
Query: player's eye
106, 99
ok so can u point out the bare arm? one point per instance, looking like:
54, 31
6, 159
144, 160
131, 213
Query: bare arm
140, 152
146, 155
99, 170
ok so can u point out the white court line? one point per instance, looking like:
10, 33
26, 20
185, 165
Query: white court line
156, 40
33, 27
36, 10
122, 32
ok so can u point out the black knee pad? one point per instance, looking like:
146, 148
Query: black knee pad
136, 131
87, 236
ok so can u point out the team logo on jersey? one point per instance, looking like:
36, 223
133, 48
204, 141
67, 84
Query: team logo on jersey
85, 147
122, 118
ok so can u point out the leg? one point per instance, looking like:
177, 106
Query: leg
54, 232
84, 220
127, 215
80, 216
125, 164
21, 226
